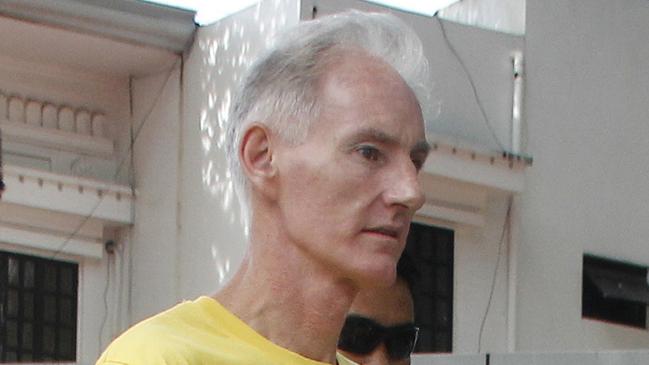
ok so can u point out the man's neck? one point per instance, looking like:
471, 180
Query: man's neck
290, 301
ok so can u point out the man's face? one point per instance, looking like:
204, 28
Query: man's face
346, 195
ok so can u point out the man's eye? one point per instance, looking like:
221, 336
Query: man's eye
369, 153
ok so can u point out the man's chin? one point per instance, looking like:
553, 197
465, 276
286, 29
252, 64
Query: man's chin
377, 277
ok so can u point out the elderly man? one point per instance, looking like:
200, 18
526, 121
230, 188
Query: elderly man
326, 142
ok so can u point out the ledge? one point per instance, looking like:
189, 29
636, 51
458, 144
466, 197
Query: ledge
83, 197
57, 139
50, 241
457, 182
131, 21
468, 217
53, 125
504, 172
50, 214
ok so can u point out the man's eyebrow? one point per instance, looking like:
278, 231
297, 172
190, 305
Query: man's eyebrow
382, 137
374, 134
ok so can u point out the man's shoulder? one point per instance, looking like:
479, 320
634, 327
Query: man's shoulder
198, 332
175, 336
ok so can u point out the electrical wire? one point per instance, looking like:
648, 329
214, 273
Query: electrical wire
129, 154
129, 303
105, 316
506, 229
136, 134
471, 82
77, 229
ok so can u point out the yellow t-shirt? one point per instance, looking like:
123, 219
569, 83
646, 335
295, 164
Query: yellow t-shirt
200, 332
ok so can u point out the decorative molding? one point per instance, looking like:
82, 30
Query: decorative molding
50, 125
60, 215
83, 197
457, 181
51, 241
501, 171
129, 21
452, 214
452, 201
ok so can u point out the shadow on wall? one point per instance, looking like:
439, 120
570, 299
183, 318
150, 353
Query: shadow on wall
226, 54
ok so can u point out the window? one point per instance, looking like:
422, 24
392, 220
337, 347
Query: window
614, 291
431, 252
38, 309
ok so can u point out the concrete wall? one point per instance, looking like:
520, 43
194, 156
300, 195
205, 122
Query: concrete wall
212, 239
501, 15
33, 79
190, 234
453, 113
476, 256
153, 247
587, 94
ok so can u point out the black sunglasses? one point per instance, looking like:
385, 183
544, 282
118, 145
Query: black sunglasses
362, 335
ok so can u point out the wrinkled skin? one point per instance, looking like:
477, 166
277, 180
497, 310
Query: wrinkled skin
348, 192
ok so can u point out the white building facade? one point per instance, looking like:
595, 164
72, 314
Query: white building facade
112, 145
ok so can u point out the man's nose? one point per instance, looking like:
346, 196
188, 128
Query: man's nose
404, 188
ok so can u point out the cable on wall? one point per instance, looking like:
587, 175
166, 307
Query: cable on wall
471, 82
179, 175
505, 230
110, 250
131, 177
134, 134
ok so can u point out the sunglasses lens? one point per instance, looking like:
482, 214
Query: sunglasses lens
401, 342
359, 335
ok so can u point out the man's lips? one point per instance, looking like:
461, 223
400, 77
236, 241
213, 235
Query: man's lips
393, 232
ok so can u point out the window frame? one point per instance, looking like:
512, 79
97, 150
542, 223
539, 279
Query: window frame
61, 292
599, 303
424, 297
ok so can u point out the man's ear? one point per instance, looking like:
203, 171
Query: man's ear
256, 156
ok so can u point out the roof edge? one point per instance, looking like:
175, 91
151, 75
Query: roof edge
130, 21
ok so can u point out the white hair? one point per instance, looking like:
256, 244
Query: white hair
279, 89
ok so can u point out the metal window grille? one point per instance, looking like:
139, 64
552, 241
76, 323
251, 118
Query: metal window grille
2, 183
614, 291
38, 309
431, 250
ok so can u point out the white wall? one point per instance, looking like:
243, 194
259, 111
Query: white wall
476, 256
212, 232
587, 93
154, 245
48, 84
453, 114
585, 113
58, 85
188, 235
501, 15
